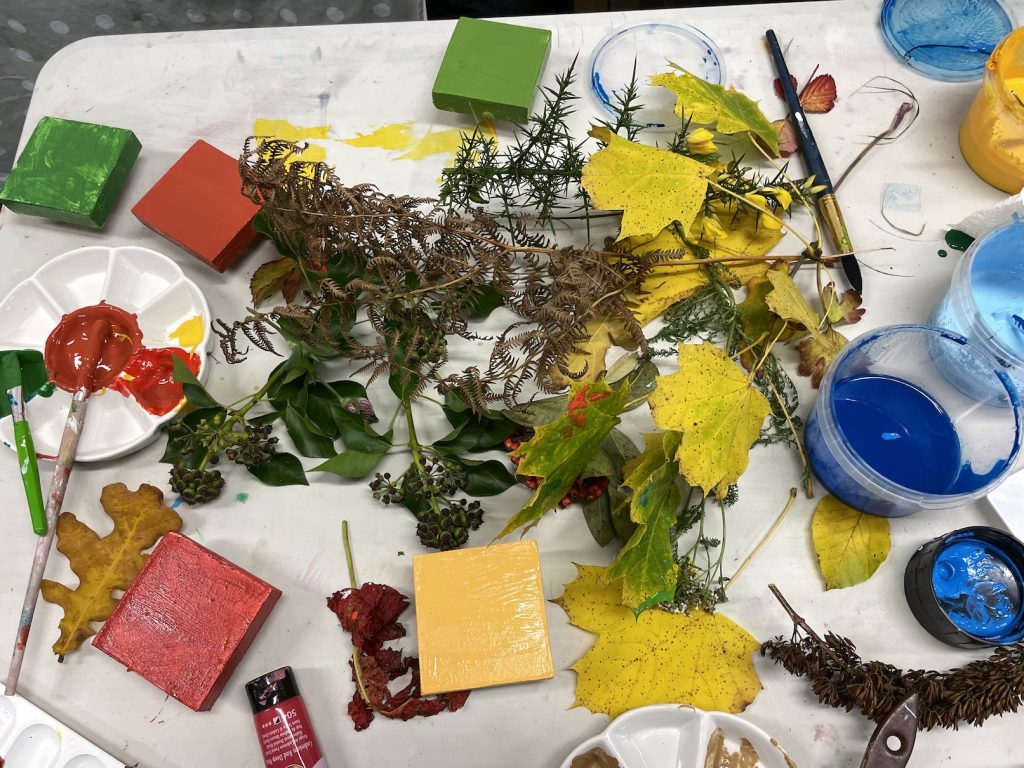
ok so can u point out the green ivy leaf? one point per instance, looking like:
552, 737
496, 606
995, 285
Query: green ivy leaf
309, 440
352, 464
598, 516
484, 300
358, 435
475, 435
487, 478
280, 469
195, 393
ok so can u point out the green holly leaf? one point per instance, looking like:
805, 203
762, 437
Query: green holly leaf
559, 451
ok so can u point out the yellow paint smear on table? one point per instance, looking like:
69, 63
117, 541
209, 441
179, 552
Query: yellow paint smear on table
445, 142
283, 129
189, 334
394, 136
480, 617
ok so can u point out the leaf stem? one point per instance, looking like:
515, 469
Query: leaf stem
764, 541
357, 666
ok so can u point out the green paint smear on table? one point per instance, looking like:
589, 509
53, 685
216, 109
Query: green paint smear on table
242, 497
35, 380
71, 171
957, 240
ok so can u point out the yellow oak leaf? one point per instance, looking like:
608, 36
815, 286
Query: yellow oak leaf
817, 351
719, 413
726, 108
850, 544
589, 357
652, 187
700, 659
786, 301
108, 563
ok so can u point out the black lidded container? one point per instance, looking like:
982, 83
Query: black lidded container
926, 605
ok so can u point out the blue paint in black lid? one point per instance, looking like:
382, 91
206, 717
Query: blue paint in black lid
967, 589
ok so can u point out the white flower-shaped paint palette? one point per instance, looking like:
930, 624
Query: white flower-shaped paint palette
30, 738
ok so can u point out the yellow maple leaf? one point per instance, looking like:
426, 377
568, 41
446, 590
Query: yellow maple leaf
700, 659
713, 404
743, 237
664, 284
108, 563
850, 544
652, 187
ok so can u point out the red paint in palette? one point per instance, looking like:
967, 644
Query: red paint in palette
149, 378
92, 346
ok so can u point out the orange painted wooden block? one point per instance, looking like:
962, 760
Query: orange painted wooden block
480, 617
199, 205
187, 620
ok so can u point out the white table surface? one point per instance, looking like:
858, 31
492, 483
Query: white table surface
173, 89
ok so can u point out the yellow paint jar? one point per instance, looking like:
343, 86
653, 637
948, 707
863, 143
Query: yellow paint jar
992, 134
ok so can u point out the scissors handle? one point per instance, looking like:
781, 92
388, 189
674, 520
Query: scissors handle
899, 728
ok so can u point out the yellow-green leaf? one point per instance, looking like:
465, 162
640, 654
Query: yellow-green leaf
712, 403
743, 237
787, 302
850, 544
699, 659
652, 187
646, 564
560, 450
707, 104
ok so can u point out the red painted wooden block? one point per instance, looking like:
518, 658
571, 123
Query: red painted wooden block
199, 205
187, 620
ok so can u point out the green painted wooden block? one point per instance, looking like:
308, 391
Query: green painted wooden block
71, 171
491, 69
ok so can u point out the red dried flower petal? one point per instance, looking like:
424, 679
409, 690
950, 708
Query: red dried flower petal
369, 613
819, 95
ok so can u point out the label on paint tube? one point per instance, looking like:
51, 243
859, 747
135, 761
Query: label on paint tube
287, 738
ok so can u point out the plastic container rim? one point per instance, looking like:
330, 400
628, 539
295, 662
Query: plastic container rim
870, 478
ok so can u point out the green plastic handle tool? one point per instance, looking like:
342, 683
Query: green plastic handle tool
10, 374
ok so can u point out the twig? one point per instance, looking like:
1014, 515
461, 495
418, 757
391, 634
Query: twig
901, 113
356, 655
798, 621
764, 541
809, 485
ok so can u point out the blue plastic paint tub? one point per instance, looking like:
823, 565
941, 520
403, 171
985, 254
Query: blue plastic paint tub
966, 587
894, 431
985, 301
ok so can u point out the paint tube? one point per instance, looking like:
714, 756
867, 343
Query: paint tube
282, 723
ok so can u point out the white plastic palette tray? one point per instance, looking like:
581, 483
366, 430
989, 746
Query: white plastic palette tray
138, 280
30, 738
673, 736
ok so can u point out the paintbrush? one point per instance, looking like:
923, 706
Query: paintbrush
828, 206
55, 499
10, 375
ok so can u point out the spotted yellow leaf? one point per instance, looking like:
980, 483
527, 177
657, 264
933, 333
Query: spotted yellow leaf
652, 187
711, 401
703, 660
743, 236
850, 544
589, 357
786, 301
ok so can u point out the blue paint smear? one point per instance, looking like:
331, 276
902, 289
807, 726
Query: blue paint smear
978, 586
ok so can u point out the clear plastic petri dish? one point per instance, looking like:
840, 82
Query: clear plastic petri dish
651, 46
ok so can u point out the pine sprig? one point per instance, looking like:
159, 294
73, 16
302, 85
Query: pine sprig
842, 679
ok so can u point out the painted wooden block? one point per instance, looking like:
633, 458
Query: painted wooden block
199, 205
480, 618
491, 69
71, 171
187, 620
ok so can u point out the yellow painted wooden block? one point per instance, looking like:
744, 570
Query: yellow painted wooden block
480, 618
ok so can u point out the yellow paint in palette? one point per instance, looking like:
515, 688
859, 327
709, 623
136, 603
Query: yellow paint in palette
189, 334
282, 129
394, 136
